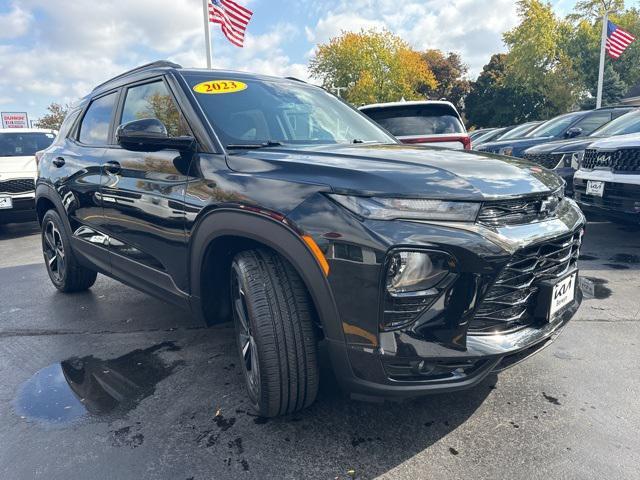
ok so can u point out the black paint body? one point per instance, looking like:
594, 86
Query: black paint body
165, 222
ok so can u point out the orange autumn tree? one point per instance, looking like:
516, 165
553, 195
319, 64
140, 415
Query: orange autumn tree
373, 66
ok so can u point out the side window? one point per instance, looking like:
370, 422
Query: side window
595, 120
153, 100
94, 129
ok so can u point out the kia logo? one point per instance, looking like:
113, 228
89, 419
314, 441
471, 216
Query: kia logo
603, 160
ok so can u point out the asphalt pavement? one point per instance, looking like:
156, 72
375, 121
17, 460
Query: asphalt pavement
114, 384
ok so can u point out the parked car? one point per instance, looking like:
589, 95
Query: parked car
608, 181
505, 133
18, 171
477, 133
420, 270
569, 125
564, 156
423, 122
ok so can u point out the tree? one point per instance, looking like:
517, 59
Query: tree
613, 89
496, 102
593, 9
373, 66
450, 73
537, 64
54, 118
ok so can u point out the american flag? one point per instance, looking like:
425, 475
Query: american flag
617, 40
233, 19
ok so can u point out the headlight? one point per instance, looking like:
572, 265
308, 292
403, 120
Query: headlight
379, 208
416, 272
508, 151
573, 160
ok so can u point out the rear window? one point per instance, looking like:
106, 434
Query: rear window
416, 119
24, 144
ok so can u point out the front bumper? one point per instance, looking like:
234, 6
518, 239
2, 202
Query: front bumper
24, 209
621, 199
439, 352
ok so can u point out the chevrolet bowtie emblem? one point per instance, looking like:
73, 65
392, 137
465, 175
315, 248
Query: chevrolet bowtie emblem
549, 205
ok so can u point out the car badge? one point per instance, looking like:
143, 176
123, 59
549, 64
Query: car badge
549, 205
603, 160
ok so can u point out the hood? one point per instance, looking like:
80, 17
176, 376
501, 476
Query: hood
516, 143
24, 166
622, 141
563, 146
400, 170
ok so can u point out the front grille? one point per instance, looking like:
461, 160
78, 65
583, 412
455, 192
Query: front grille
518, 211
21, 185
621, 197
547, 160
510, 301
619, 161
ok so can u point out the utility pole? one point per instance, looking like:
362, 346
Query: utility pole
338, 90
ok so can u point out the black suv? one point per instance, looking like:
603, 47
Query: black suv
271, 202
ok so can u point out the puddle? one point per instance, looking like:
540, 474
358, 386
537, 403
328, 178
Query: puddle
594, 288
82, 387
625, 258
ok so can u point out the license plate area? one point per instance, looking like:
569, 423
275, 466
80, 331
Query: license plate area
554, 295
595, 188
5, 202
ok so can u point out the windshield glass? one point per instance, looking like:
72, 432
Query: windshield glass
518, 132
252, 112
555, 126
24, 144
628, 123
412, 120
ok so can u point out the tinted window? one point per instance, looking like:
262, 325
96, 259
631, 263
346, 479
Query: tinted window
283, 111
555, 126
519, 131
24, 144
94, 129
417, 119
629, 123
592, 121
153, 100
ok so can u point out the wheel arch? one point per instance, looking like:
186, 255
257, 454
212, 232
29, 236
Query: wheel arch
47, 199
222, 233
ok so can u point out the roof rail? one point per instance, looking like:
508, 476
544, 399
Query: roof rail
295, 79
157, 64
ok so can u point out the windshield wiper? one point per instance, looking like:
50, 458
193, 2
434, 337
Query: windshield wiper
268, 143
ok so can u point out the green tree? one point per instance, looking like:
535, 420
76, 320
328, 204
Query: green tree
451, 74
496, 102
54, 118
613, 89
373, 66
537, 64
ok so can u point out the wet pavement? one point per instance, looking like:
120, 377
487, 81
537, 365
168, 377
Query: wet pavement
115, 384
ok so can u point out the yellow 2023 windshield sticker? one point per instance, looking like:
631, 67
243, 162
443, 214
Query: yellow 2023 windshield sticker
215, 87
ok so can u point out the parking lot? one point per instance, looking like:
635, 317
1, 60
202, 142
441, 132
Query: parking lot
161, 397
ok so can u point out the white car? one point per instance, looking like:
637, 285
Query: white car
431, 122
18, 171
608, 181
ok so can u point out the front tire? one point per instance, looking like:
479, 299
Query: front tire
66, 274
274, 330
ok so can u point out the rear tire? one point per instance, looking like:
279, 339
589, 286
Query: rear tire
275, 334
66, 274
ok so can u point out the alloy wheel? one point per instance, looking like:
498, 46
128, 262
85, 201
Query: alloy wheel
54, 251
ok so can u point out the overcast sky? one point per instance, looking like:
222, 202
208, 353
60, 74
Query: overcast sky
57, 50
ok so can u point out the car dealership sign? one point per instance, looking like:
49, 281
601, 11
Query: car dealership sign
15, 120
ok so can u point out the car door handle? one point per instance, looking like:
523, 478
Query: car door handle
58, 162
112, 167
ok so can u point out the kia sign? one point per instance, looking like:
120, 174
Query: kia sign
15, 120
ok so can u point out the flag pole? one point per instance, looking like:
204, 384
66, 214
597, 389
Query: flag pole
207, 31
603, 43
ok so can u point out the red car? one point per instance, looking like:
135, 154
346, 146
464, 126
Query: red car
421, 122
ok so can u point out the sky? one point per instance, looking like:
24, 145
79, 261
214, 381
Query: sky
58, 50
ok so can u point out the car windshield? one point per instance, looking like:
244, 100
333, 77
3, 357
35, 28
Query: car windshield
518, 132
555, 126
412, 120
269, 112
628, 123
24, 144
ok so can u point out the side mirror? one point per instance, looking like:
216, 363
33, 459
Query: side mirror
573, 132
150, 135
